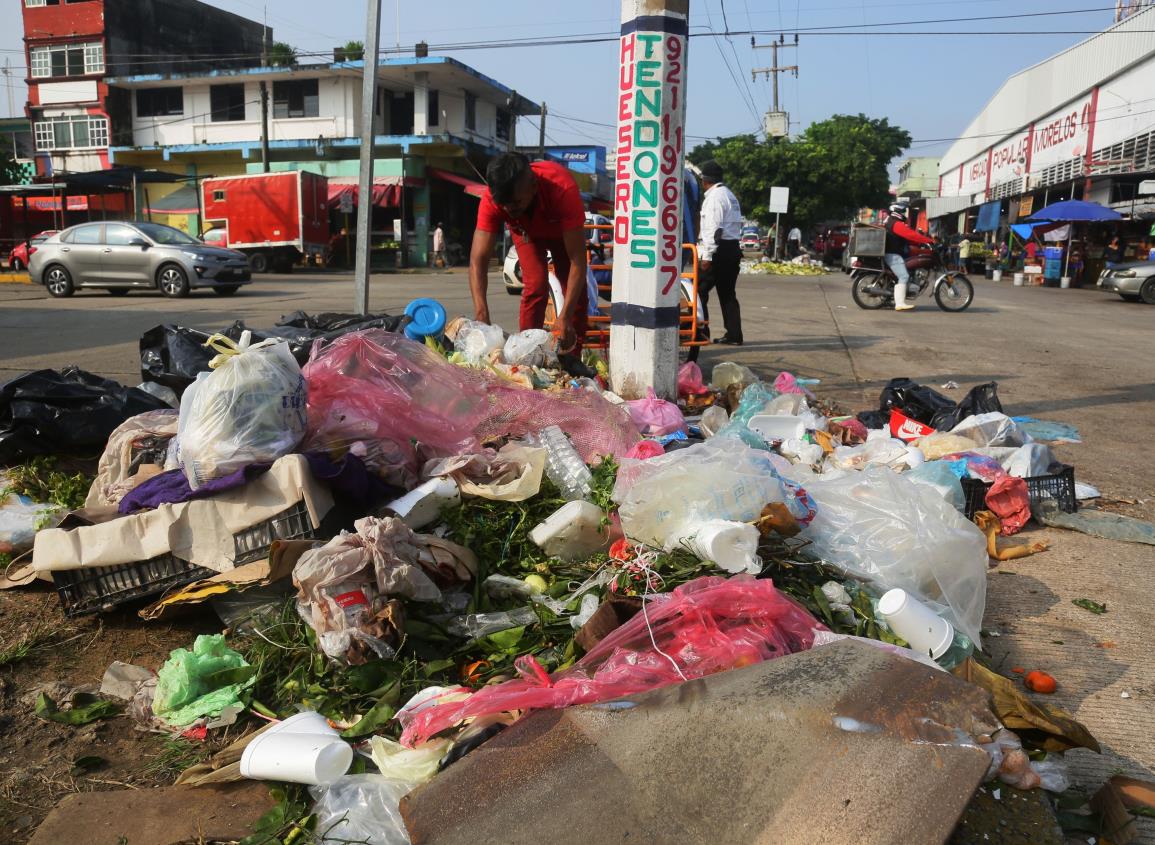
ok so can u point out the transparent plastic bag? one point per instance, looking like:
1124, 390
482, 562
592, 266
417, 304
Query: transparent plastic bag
530, 348
881, 527
250, 409
655, 417
668, 497
938, 476
477, 340
708, 625
363, 809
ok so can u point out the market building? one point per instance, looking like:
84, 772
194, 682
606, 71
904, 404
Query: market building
1078, 125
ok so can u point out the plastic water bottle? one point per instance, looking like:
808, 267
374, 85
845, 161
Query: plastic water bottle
563, 464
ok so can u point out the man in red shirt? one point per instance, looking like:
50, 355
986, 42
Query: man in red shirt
542, 206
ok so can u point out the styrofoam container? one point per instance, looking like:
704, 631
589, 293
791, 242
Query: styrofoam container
281, 755
925, 630
423, 504
574, 531
305, 722
772, 427
732, 546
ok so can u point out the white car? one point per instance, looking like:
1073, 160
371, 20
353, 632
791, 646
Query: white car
511, 269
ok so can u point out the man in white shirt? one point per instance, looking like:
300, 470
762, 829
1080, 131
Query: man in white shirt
794, 242
719, 257
439, 246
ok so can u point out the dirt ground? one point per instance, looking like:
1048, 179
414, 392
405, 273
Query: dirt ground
36, 757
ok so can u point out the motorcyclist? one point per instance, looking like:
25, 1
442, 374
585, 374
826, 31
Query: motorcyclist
898, 235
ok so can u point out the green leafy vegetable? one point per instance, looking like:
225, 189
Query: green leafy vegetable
85, 708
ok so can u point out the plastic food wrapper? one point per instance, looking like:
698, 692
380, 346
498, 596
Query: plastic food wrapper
881, 527
201, 682
475, 341
705, 626
654, 416
138, 442
408, 765
250, 409
992, 429
361, 808
512, 474
666, 498
530, 348
346, 586
690, 382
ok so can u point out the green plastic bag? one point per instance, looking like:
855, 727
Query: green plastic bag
201, 682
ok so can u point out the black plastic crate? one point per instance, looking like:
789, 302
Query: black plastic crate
1060, 486
101, 588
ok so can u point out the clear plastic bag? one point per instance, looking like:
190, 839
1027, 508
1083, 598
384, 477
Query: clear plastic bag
992, 429
881, 527
530, 348
477, 340
705, 626
363, 809
655, 417
938, 476
668, 497
250, 409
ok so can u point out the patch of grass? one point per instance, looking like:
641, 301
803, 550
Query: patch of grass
28, 644
175, 756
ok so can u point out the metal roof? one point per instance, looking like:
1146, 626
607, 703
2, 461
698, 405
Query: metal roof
1038, 90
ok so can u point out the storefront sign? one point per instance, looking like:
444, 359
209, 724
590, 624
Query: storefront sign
974, 175
1062, 135
1009, 159
1026, 206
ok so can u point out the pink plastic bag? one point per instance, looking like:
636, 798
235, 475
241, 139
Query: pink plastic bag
786, 383
690, 381
645, 449
1010, 500
655, 416
709, 625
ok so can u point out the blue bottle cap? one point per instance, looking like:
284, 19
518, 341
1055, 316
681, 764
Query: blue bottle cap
428, 318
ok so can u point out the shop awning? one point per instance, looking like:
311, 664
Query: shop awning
472, 187
386, 189
989, 214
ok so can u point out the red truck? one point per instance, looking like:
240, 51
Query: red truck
275, 219
830, 243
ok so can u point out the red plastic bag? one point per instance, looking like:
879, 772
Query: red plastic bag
655, 416
709, 625
645, 449
905, 429
1010, 500
690, 381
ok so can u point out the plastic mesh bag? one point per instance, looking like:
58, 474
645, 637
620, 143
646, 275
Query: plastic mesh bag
880, 526
666, 498
250, 409
705, 626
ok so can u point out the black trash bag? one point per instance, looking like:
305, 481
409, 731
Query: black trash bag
982, 399
913, 399
173, 355
50, 413
874, 419
303, 330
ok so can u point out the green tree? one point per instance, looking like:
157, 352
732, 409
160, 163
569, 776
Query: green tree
282, 55
834, 168
354, 51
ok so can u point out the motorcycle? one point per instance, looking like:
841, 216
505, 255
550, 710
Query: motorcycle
872, 287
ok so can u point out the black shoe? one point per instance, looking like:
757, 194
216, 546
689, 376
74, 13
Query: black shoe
729, 341
573, 365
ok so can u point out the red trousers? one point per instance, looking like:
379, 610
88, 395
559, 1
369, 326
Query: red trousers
535, 278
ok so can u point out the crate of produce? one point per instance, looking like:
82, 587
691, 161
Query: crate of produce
867, 241
1059, 486
102, 588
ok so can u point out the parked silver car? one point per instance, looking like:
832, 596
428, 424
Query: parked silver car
1134, 281
122, 256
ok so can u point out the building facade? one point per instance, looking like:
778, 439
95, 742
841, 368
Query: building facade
918, 177
72, 47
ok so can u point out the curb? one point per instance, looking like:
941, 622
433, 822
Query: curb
15, 278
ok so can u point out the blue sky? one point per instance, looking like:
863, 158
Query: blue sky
931, 85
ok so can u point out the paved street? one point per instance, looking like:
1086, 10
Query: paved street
1076, 356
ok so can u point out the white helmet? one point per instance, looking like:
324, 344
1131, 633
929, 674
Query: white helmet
899, 209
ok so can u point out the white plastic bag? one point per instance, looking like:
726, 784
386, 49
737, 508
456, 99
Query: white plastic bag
530, 348
249, 409
992, 429
668, 497
362, 809
476, 340
880, 526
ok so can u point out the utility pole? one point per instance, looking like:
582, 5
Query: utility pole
365, 183
773, 71
541, 133
650, 103
264, 102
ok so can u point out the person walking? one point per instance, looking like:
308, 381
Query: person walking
719, 255
439, 246
794, 242
964, 253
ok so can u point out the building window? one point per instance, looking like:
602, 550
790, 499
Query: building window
502, 125
79, 132
67, 60
218, 196
159, 102
433, 118
228, 102
295, 99
31, 3
470, 111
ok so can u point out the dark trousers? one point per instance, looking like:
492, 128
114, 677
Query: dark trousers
723, 277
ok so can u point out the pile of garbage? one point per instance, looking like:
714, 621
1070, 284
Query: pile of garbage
414, 539
800, 266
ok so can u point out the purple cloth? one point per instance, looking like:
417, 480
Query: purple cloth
349, 479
